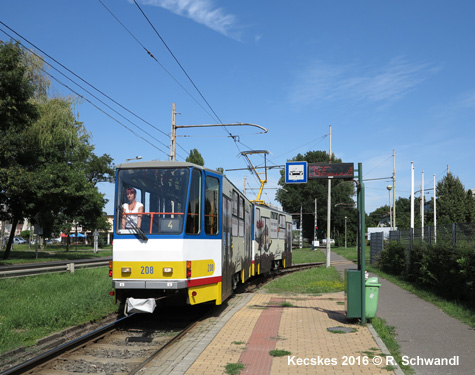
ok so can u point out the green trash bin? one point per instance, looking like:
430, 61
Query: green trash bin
371, 296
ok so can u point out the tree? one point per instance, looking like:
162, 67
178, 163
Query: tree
48, 171
17, 113
195, 157
294, 196
454, 205
452, 201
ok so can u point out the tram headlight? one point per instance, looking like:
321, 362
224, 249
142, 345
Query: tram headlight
126, 270
167, 269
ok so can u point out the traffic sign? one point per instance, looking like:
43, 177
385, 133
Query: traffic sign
296, 172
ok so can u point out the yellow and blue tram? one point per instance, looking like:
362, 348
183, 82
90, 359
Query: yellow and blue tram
186, 231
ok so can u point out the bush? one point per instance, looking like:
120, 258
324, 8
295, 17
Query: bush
392, 259
448, 272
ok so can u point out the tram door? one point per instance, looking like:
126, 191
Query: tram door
227, 271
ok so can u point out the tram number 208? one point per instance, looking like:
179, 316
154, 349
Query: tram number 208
146, 270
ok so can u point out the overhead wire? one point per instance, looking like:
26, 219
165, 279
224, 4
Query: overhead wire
83, 80
87, 91
234, 137
89, 101
154, 58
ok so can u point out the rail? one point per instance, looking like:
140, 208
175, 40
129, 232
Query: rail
57, 266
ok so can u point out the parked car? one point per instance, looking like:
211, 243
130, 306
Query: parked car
18, 240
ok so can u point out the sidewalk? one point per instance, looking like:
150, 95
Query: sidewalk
251, 325
299, 327
423, 331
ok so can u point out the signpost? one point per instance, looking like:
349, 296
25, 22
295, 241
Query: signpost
300, 172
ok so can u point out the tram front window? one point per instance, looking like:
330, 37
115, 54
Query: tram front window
159, 202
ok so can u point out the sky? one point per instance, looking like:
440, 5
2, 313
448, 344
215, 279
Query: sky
385, 75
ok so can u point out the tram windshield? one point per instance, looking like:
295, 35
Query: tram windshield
151, 200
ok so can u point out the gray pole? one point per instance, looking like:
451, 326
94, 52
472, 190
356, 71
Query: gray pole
422, 204
435, 216
315, 224
394, 190
345, 232
173, 135
329, 203
301, 222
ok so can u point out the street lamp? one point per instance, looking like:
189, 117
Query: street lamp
136, 158
389, 187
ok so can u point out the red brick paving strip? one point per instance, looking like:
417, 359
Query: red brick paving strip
256, 357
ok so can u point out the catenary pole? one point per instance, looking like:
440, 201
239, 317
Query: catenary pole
329, 204
394, 190
175, 127
422, 205
435, 215
412, 195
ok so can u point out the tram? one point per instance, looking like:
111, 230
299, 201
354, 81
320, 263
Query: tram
184, 231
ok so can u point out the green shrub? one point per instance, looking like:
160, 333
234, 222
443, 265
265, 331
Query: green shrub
392, 259
448, 272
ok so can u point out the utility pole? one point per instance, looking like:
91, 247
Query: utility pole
329, 204
435, 216
301, 223
412, 195
315, 226
422, 205
394, 190
173, 135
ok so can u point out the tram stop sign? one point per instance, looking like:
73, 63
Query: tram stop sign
296, 172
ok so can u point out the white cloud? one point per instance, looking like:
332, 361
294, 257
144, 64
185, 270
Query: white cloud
322, 82
466, 100
201, 11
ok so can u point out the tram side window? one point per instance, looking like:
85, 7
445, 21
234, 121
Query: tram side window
211, 205
235, 214
241, 217
194, 204
274, 223
282, 226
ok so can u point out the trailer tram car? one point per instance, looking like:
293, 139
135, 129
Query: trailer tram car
191, 234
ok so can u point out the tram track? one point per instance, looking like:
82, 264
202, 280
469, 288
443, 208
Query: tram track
126, 345
121, 347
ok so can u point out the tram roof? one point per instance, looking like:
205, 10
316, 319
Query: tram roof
161, 164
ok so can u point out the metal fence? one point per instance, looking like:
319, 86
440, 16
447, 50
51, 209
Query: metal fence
452, 235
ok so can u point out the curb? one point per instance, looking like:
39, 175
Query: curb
382, 346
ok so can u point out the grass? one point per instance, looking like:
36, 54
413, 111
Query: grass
234, 368
312, 281
387, 334
279, 353
307, 255
24, 254
36, 306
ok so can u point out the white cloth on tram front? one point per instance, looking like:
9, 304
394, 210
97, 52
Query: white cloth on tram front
140, 305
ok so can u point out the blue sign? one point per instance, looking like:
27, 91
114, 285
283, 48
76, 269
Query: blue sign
296, 172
